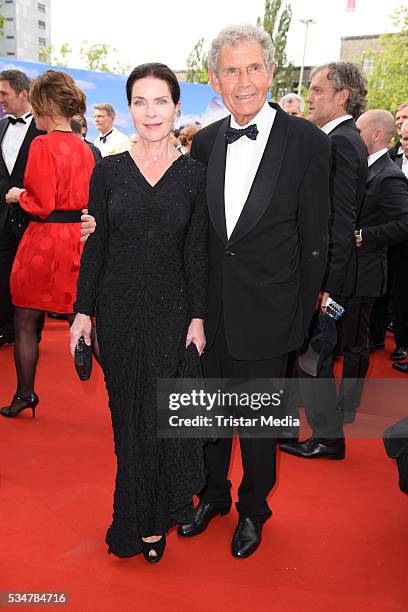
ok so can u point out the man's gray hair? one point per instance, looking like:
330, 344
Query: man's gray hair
232, 34
404, 126
292, 97
347, 75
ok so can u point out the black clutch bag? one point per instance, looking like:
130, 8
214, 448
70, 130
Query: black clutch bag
83, 359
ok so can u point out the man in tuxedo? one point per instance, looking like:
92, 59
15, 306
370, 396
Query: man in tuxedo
399, 261
401, 115
336, 99
268, 199
110, 140
381, 222
16, 134
398, 277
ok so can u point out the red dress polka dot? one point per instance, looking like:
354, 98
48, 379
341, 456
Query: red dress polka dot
46, 266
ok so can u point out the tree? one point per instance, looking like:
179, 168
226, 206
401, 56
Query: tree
387, 82
96, 57
276, 22
1, 25
49, 55
197, 64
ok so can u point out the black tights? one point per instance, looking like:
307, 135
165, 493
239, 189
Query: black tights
28, 325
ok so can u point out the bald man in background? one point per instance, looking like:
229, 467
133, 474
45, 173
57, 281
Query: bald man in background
381, 221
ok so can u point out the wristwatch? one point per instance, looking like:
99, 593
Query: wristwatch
358, 237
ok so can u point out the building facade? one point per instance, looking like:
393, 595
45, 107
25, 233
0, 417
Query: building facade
26, 29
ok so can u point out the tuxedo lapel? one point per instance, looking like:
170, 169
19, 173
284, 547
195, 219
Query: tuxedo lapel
3, 127
21, 160
377, 166
265, 179
216, 181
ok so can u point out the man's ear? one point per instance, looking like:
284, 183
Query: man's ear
342, 97
214, 81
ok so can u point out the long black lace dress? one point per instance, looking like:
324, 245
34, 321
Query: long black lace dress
145, 271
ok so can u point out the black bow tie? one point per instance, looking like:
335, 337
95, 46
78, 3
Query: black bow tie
103, 138
13, 120
251, 131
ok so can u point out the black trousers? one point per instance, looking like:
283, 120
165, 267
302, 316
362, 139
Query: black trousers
8, 249
397, 293
323, 407
258, 454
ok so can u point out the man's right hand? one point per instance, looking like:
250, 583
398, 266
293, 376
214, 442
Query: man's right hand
87, 226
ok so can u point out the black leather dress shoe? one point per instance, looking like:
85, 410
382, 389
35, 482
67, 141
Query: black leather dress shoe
400, 353
314, 448
6, 339
203, 514
247, 537
401, 367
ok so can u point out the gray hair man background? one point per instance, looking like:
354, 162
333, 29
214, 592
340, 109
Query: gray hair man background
293, 104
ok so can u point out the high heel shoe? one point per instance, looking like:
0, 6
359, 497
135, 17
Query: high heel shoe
158, 548
31, 401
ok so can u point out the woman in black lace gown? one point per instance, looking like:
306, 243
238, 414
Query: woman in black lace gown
145, 271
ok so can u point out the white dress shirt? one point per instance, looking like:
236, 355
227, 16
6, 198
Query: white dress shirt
404, 166
329, 127
116, 142
243, 158
373, 158
12, 141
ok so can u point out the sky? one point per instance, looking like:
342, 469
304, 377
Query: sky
167, 31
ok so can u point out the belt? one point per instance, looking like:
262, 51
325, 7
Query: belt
59, 216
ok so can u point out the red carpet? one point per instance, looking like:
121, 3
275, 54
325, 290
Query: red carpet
338, 539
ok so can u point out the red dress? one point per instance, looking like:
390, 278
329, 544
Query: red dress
45, 270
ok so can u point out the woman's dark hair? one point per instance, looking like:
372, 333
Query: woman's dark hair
158, 71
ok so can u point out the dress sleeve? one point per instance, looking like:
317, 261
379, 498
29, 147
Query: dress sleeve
93, 255
40, 181
195, 251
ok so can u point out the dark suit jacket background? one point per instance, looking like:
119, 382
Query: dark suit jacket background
384, 221
268, 274
348, 182
16, 178
393, 152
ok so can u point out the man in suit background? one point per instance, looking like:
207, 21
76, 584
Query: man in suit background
401, 115
268, 201
400, 274
336, 98
292, 104
16, 134
397, 292
381, 222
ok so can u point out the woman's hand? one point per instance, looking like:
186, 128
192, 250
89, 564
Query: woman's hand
81, 326
13, 195
88, 225
196, 334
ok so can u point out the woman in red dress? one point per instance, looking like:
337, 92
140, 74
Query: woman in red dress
46, 266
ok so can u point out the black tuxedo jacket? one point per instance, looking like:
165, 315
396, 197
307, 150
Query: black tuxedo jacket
393, 152
267, 276
384, 221
348, 181
397, 160
16, 178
